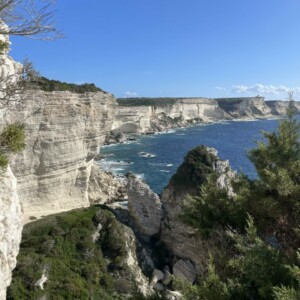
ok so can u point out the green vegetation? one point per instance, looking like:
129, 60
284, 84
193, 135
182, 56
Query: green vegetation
49, 85
62, 247
147, 101
261, 223
12, 139
3, 46
196, 167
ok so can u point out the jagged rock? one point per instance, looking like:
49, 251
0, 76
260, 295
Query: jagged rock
144, 206
104, 187
184, 269
114, 137
180, 239
157, 275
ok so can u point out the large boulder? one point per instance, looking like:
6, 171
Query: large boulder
144, 206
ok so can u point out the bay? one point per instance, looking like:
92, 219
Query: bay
155, 158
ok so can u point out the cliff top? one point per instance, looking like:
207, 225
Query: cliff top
49, 85
147, 101
144, 101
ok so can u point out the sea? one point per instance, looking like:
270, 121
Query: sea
155, 158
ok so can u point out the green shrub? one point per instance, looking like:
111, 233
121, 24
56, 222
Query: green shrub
3, 46
13, 137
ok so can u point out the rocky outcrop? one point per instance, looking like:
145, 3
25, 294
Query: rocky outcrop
104, 187
10, 228
144, 206
63, 134
180, 239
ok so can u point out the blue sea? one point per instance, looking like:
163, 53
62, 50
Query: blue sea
155, 158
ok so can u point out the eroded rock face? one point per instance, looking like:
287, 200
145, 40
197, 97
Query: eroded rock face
144, 115
10, 228
181, 239
245, 108
63, 134
144, 206
160, 116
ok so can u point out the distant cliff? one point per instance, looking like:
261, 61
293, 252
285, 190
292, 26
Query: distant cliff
142, 115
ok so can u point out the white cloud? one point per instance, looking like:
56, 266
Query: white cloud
220, 88
131, 94
279, 90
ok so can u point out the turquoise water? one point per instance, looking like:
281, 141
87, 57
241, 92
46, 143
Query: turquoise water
165, 152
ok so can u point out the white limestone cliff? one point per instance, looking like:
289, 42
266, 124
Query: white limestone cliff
147, 115
10, 228
159, 116
63, 134
10, 208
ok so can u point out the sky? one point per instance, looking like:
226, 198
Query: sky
173, 48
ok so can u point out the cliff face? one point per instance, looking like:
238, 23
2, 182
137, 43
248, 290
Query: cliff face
158, 116
252, 107
63, 134
279, 107
142, 115
10, 228
10, 208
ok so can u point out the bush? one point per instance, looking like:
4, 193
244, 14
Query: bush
13, 137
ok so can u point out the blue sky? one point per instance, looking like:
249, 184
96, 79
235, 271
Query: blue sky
159, 48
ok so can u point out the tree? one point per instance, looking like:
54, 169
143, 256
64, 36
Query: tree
29, 18
261, 219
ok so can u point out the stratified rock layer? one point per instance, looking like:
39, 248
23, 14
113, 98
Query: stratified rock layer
63, 134
146, 115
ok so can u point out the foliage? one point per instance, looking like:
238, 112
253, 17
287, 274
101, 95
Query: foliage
260, 261
146, 101
12, 139
3, 46
55, 85
211, 288
212, 208
197, 165
76, 267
